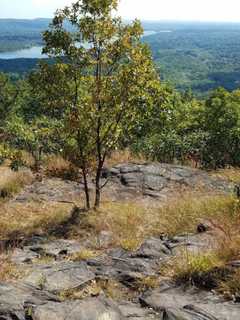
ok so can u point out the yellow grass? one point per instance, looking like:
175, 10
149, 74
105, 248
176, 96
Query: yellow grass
8, 271
11, 182
123, 156
130, 223
25, 219
84, 254
230, 174
57, 166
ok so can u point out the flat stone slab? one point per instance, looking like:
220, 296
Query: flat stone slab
174, 303
87, 309
60, 276
17, 298
134, 311
57, 248
157, 179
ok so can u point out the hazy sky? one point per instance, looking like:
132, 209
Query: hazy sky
201, 10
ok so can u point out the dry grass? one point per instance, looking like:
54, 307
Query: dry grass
84, 254
12, 182
230, 287
230, 174
202, 270
130, 224
27, 159
111, 289
56, 166
123, 220
123, 156
9, 271
183, 216
147, 283
25, 219
213, 269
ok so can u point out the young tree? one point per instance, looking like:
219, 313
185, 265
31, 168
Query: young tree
110, 75
8, 96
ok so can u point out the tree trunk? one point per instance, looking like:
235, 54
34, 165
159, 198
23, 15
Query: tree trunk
98, 187
86, 189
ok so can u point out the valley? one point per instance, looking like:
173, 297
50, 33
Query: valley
190, 56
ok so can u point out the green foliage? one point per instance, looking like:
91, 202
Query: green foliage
37, 137
206, 133
221, 122
8, 96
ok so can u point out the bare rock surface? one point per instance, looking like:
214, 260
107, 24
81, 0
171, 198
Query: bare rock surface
17, 299
34, 297
54, 189
88, 309
128, 181
158, 179
60, 276
56, 249
175, 303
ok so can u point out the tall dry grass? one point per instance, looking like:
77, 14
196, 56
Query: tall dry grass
12, 182
26, 219
130, 223
229, 174
123, 156
57, 166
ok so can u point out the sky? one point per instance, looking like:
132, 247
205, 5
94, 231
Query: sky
192, 10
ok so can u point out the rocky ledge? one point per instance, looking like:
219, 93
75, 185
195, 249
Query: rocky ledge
158, 179
55, 288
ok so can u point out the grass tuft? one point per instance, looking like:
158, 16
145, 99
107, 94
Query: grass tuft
84, 254
201, 270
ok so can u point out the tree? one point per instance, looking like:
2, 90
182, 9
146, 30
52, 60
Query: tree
8, 96
110, 75
221, 122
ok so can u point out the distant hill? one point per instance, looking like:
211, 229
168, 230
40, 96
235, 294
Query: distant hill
200, 56
19, 34
23, 26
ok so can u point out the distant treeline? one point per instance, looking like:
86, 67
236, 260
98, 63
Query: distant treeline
19, 67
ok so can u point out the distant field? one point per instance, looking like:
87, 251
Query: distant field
200, 56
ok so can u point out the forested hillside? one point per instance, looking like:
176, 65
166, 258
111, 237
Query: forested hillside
200, 56
17, 34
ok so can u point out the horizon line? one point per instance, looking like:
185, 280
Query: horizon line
144, 20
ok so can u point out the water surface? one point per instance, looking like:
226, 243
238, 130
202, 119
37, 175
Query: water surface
33, 52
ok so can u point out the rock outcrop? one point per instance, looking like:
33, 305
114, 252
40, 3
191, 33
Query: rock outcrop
174, 303
37, 296
158, 179
46, 291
